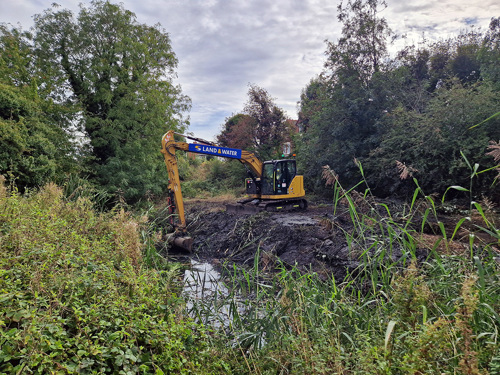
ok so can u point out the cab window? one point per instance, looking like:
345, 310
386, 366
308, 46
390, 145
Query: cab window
277, 177
268, 179
285, 171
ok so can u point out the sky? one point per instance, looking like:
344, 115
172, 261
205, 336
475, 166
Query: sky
224, 45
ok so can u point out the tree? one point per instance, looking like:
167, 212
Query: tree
238, 132
34, 147
410, 79
351, 96
119, 73
270, 121
312, 102
16, 58
413, 112
363, 45
490, 52
33, 150
455, 58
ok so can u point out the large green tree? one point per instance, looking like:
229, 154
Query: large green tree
361, 48
120, 74
33, 151
490, 52
34, 146
410, 115
342, 108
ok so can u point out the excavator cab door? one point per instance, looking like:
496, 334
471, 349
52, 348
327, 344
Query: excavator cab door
277, 176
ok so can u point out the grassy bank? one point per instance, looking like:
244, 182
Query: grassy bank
414, 314
438, 318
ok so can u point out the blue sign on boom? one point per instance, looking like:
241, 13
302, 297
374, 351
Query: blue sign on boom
215, 150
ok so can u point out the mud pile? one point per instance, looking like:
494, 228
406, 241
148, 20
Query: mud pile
312, 241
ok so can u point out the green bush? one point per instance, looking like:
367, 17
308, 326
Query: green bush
33, 149
76, 296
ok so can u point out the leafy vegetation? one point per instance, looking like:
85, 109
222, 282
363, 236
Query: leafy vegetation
77, 296
261, 128
204, 177
105, 101
34, 146
102, 76
417, 109
86, 292
33, 151
238, 132
119, 73
82, 288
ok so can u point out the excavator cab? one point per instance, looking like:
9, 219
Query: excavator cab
278, 188
277, 176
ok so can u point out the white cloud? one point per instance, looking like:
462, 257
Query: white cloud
223, 45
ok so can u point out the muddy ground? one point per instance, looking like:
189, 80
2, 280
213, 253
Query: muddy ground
313, 240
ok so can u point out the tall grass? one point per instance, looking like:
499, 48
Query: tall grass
417, 303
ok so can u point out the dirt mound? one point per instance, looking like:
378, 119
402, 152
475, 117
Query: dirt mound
312, 240
316, 240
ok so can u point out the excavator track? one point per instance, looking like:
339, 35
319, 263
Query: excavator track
251, 206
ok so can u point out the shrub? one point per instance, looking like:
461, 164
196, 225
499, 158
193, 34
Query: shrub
75, 295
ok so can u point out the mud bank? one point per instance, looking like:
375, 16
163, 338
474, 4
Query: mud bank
313, 240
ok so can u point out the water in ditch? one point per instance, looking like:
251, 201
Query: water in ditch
208, 300
211, 302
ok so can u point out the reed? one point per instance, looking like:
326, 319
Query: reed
398, 313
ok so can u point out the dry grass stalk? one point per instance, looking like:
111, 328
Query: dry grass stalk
437, 242
3, 188
404, 170
329, 176
495, 150
465, 316
268, 261
487, 203
495, 153
126, 237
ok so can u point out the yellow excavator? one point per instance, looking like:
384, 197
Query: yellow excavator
273, 185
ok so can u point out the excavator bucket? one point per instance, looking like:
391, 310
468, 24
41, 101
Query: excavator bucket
181, 242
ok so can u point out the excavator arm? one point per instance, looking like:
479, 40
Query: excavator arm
174, 184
